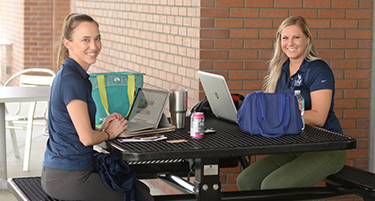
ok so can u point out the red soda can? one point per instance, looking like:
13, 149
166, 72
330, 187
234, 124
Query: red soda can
197, 125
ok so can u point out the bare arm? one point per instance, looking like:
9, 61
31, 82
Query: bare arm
79, 114
320, 104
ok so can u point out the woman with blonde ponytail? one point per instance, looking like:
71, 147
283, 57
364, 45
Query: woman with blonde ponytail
70, 167
295, 66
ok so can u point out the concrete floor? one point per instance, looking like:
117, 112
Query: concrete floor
15, 165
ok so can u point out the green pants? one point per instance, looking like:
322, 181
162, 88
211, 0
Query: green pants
291, 170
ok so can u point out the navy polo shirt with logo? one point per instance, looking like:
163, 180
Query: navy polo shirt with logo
64, 149
311, 76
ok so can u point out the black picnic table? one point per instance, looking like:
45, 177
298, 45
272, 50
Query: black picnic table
228, 141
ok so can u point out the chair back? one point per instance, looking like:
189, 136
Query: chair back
32, 77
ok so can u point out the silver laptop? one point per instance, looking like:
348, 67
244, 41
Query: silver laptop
147, 110
218, 96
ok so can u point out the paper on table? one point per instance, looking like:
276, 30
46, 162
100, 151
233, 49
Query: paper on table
143, 139
148, 131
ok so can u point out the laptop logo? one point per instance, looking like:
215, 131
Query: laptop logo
217, 95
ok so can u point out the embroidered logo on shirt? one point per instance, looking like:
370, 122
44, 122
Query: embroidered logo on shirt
323, 80
298, 81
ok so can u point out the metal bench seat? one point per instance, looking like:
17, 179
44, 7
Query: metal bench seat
354, 181
28, 189
349, 180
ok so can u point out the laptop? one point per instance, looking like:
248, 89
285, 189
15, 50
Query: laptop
218, 96
147, 111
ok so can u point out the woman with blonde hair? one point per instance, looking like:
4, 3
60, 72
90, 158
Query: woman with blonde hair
295, 66
71, 169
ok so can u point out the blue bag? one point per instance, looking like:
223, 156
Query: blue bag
114, 92
270, 114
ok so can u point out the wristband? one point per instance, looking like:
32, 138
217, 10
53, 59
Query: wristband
104, 130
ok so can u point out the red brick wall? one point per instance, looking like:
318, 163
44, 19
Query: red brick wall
12, 29
31, 26
37, 34
237, 41
170, 40
60, 9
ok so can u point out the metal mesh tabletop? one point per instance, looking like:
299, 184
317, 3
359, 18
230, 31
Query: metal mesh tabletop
229, 141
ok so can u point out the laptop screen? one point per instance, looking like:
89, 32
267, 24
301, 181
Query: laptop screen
218, 95
148, 106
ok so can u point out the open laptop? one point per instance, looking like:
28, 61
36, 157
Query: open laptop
147, 111
218, 96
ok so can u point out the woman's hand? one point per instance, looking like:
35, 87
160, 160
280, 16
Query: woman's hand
109, 119
116, 126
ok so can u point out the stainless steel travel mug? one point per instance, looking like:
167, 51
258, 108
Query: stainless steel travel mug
178, 101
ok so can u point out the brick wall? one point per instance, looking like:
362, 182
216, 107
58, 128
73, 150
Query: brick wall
60, 9
169, 40
237, 38
31, 26
12, 24
158, 38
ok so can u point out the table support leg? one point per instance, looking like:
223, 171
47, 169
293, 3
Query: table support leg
207, 179
29, 136
3, 150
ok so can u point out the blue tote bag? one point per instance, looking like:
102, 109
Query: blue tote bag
114, 92
270, 114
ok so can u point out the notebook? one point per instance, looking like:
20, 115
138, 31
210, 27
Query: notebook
218, 96
147, 111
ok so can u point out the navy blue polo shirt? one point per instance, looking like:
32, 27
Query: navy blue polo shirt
311, 76
64, 149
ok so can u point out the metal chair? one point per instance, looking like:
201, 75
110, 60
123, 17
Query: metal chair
28, 78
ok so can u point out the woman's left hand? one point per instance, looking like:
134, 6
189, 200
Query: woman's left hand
108, 119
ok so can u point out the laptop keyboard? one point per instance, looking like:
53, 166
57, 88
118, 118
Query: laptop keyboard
136, 126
